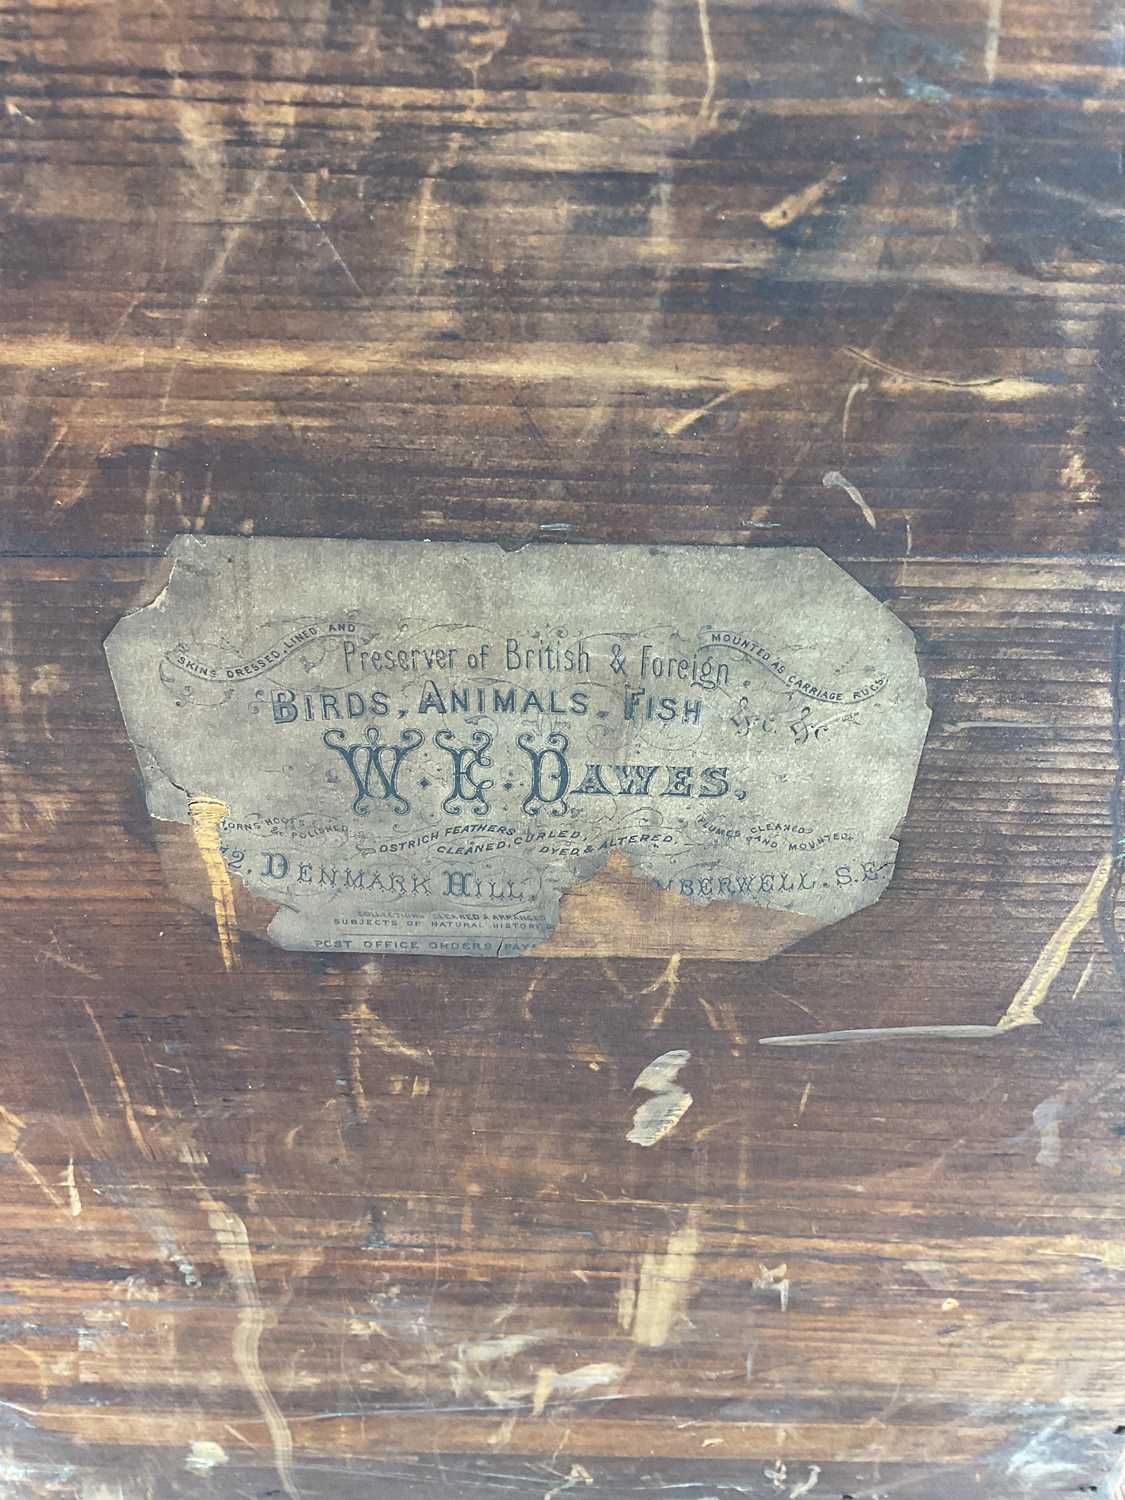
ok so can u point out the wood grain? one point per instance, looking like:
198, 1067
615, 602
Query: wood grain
316, 1227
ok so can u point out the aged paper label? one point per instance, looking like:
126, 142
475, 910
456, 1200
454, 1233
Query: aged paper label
420, 747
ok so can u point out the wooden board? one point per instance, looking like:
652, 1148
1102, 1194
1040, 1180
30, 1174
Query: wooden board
319, 1227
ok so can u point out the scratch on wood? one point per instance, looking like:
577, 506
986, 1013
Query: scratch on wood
653, 1299
659, 1116
72, 1193
774, 1279
669, 978
796, 205
549, 1382
328, 240
99, 1124
206, 815
1083, 978
369, 1029
234, 1252
879, 364
525, 1003
51, 448
504, 1346
120, 1085
992, 38
806, 1484
1109, 1253
853, 391
721, 1017
51, 954
1025, 1002
203, 1456
689, 419
962, 724
835, 480
706, 104
1056, 951
11, 1127
1079, 480
578, 1475
211, 278
42, 1370
1046, 1117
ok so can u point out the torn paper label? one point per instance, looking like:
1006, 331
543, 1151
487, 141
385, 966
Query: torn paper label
421, 747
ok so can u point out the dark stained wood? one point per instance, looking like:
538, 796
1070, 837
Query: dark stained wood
322, 1228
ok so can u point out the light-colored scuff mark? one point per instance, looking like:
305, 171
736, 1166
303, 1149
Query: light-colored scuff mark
795, 205
1113, 1486
806, 1485
185, 1267
551, 1383
48, 1479
670, 978
658, 1116
654, 1297
1084, 978
466, 1372
578, 1475
529, 996
130, 1114
706, 104
689, 419
485, 1351
853, 391
992, 37
206, 815
875, 1034
73, 1199
835, 480
523, 364
370, 1030
1033, 1464
774, 1279
204, 1456
1056, 951
1045, 1117
722, 1017
755, 522
238, 1263
503, 1434
1077, 477
186, 520
777, 1474
11, 1128
960, 725
1022, 1011
587, 1053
